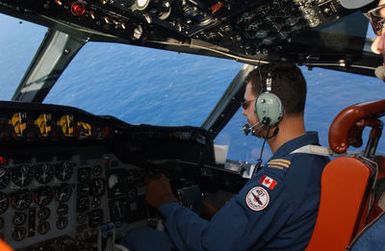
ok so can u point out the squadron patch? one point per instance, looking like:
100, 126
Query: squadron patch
257, 198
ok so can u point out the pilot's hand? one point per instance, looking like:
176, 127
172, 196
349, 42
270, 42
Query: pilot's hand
158, 191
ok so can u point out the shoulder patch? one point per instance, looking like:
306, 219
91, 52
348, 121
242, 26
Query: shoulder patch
268, 182
257, 198
279, 163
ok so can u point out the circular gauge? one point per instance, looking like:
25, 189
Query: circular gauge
43, 227
83, 189
19, 233
43, 195
44, 213
95, 217
84, 173
63, 192
64, 171
22, 175
61, 222
44, 173
4, 202
62, 210
21, 199
97, 187
19, 218
97, 170
81, 218
4, 178
83, 204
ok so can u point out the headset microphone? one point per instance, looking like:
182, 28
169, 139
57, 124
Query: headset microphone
249, 129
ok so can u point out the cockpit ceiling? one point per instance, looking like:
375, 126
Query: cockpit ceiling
303, 31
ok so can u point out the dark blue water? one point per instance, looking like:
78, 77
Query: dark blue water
140, 85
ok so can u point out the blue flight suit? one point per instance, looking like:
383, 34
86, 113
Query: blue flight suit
275, 210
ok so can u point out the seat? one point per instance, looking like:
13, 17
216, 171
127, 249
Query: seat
347, 182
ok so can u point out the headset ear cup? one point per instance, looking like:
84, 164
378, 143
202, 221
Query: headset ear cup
268, 109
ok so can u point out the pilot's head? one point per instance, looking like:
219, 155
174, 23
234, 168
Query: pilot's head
288, 94
376, 17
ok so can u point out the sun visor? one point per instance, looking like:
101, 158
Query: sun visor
355, 4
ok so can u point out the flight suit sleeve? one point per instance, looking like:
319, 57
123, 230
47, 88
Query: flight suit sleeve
239, 225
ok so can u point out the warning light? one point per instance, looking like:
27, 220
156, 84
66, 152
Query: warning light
78, 9
3, 161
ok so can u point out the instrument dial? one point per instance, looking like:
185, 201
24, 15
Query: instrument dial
21, 199
62, 210
44, 213
44, 173
63, 192
4, 177
19, 218
43, 195
64, 171
97, 170
97, 187
84, 173
4, 202
22, 175
61, 223
19, 233
43, 227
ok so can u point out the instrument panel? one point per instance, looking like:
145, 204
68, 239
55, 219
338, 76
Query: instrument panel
247, 28
70, 179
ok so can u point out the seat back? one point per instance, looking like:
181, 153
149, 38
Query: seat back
347, 181
343, 200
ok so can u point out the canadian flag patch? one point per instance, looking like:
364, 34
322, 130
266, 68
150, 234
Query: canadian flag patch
268, 182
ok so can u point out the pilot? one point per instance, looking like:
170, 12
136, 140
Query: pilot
376, 18
372, 238
277, 208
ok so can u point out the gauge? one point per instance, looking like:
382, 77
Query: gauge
44, 123
132, 193
44, 173
22, 175
44, 213
83, 189
95, 217
43, 195
4, 177
61, 222
66, 123
64, 171
43, 227
81, 218
95, 202
4, 202
83, 204
97, 170
97, 187
21, 199
19, 218
84, 173
63, 192
19, 233
62, 210
19, 123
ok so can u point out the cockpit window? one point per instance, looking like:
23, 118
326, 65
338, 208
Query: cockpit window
143, 86
19, 41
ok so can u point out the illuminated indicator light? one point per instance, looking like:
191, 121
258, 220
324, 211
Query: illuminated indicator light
58, 2
92, 14
78, 9
3, 160
216, 7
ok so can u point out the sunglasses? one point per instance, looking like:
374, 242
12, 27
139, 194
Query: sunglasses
245, 104
376, 20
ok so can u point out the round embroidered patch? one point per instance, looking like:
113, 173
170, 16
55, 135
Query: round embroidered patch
257, 198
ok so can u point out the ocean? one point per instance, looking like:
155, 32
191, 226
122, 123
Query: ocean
149, 86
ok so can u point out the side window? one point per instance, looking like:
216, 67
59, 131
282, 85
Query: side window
328, 92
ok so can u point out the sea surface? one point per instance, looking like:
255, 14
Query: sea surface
149, 86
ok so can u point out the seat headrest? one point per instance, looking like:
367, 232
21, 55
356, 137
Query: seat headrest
347, 127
